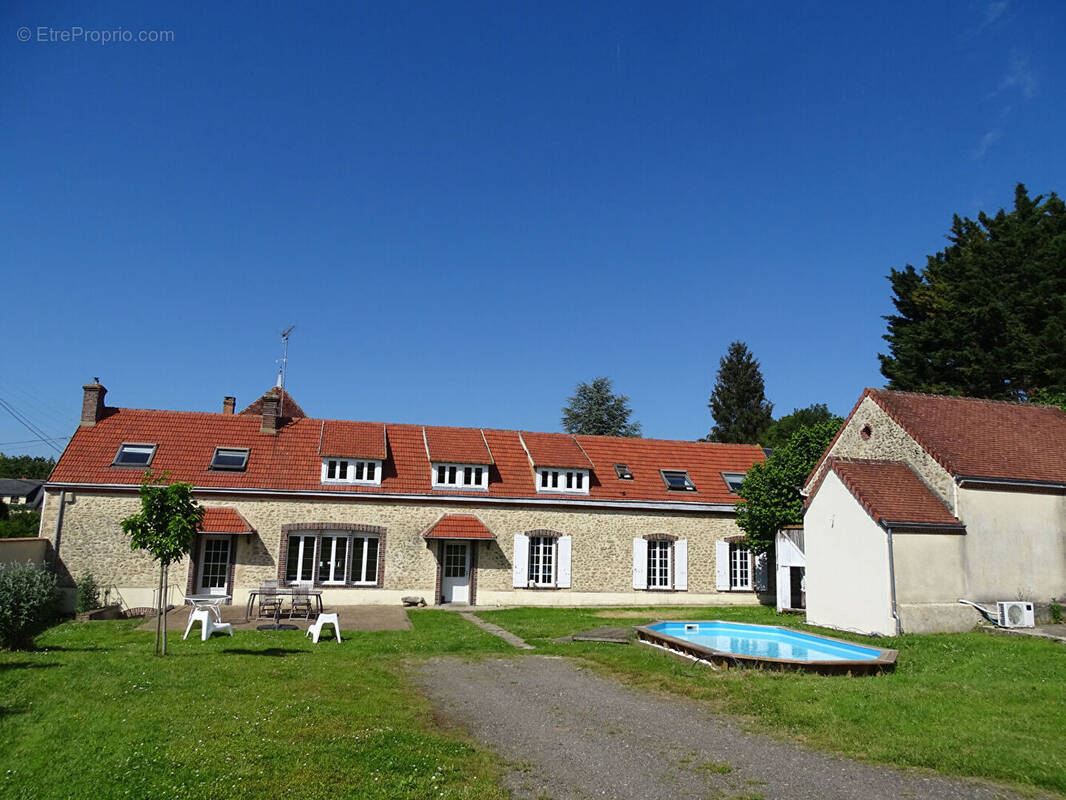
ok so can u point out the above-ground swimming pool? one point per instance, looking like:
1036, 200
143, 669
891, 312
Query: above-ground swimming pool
738, 644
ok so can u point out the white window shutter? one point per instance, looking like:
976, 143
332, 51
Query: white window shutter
640, 564
721, 566
563, 548
681, 565
761, 573
521, 560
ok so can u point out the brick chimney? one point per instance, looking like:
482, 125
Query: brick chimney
228, 404
92, 405
271, 421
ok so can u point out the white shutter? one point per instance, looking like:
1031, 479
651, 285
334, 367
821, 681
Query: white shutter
563, 554
681, 565
762, 575
721, 566
640, 564
521, 560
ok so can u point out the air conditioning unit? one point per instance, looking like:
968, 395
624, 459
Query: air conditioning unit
1016, 614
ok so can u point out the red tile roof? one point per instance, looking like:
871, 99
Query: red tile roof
222, 519
348, 439
458, 526
983, 438
555, 450
457, 445
291, 461
892, 493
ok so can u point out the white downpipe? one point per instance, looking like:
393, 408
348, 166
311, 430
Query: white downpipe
892, 582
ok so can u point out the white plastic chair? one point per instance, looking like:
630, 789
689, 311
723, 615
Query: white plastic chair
314, 630
207, 624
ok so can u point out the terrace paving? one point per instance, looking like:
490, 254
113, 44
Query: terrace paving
352, 618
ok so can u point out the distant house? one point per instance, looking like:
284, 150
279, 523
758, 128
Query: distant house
922, 500
21, 494
370, 512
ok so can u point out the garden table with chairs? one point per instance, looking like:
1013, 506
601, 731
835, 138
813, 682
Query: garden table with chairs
270, 597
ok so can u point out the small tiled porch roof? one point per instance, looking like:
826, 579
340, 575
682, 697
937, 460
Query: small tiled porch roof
893, 494
220, 519
459, 526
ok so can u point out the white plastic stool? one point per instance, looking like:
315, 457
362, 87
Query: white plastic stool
207, 624
315, 629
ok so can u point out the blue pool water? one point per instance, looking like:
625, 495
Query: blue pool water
760, 641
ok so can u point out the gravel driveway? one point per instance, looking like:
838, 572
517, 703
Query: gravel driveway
569, 733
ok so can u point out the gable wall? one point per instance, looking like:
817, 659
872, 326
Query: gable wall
889, 441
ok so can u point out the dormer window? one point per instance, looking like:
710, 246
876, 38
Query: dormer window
733, 480
677, 480
134, 455
230, 459
460, 476
366, 472
563, 481
623, 472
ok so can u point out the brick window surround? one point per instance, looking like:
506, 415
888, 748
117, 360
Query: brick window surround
341, 527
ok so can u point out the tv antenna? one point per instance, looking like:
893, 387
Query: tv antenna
284, 363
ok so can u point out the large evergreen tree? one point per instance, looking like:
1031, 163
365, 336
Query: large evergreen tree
738, 403
986, 317
595, 410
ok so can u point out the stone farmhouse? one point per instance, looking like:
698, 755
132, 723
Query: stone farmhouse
923, 500
371, 512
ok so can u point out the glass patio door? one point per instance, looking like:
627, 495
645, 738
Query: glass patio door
214, 565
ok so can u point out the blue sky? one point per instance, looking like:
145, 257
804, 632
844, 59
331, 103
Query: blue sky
467, 208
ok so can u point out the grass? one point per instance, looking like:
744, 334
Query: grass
968, 704
93, 712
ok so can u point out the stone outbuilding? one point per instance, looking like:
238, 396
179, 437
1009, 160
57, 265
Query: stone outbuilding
923, 500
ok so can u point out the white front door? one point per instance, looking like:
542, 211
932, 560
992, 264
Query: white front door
455, 573
214, 565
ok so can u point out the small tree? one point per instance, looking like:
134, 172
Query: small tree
595, 410
738, 403
771, 490
166, 527
87, 596
27, 603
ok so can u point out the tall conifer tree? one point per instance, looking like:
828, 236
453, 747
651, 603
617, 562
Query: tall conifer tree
738, 403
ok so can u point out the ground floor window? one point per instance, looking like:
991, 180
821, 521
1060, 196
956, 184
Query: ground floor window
659, 564
332, 557
542, 560
739, 567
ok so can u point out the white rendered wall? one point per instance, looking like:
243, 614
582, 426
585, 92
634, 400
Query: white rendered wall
847, 563
1015, 545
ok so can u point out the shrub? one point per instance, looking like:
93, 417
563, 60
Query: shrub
27, 603
20, 524
1056, 612
88, 596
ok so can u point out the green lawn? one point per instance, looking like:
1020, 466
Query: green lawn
963, 704
93, 713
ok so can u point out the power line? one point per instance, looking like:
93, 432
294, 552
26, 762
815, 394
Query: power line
30, 426
30, 441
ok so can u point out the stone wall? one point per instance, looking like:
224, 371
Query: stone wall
887, 440
602, 561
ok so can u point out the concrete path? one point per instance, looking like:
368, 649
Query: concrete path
496, 630
570, 734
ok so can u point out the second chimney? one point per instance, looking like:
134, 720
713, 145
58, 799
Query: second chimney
228, 404
271, 421
92, 404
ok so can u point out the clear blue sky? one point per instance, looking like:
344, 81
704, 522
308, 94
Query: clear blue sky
467, 208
